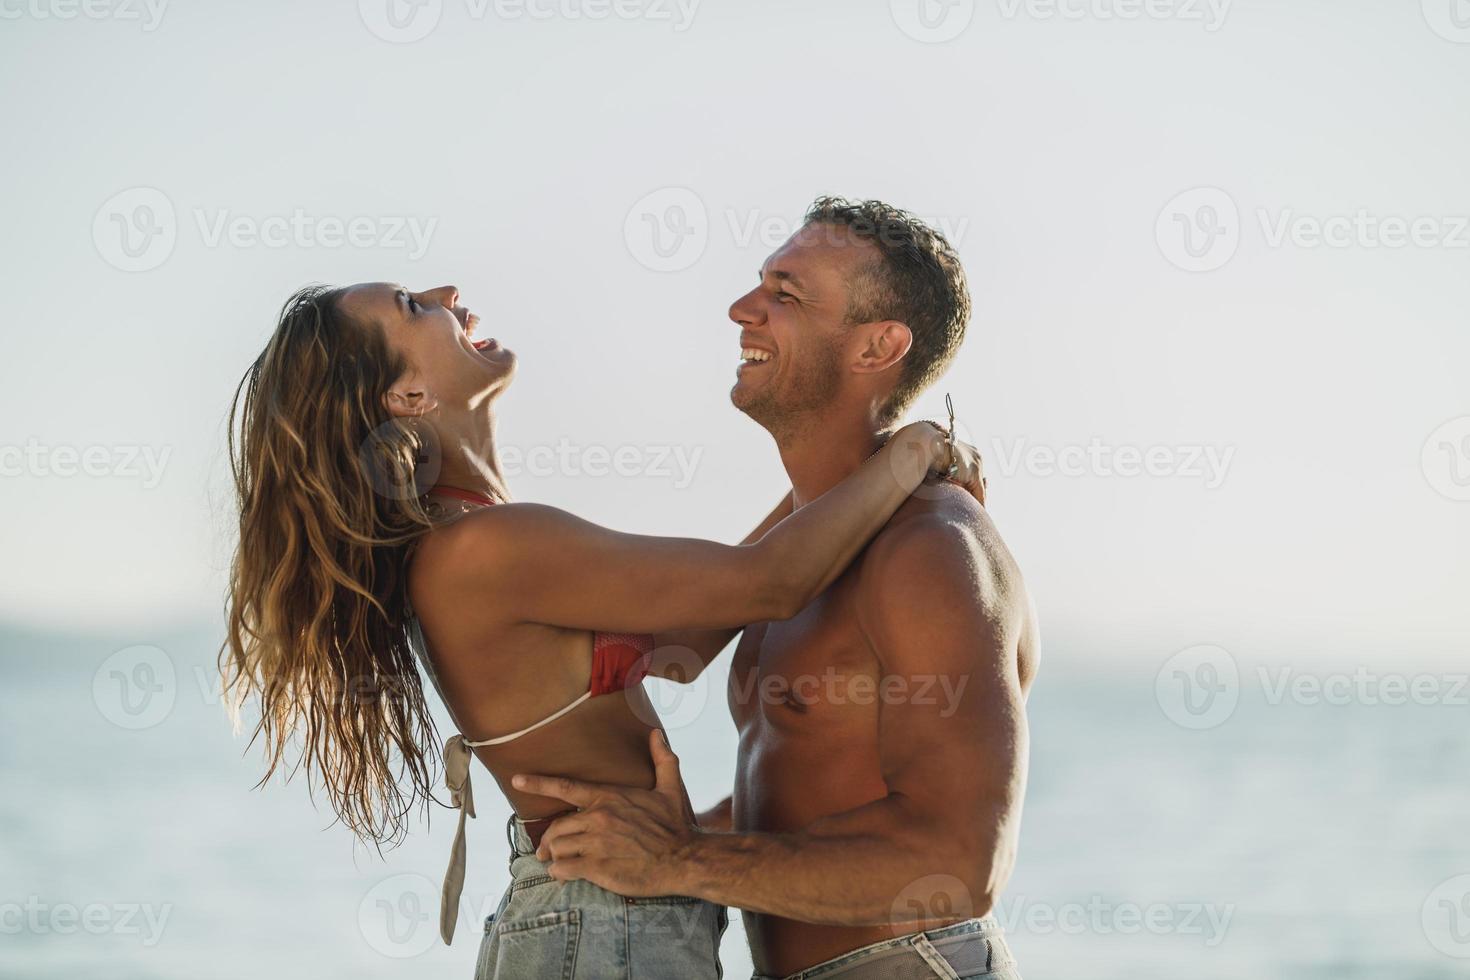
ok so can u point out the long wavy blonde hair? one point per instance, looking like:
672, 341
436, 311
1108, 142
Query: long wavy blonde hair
330, 509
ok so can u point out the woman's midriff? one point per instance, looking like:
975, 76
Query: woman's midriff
605, 740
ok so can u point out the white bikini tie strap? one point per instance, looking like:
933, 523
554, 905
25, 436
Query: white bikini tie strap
529, 728
457, 762
457, 759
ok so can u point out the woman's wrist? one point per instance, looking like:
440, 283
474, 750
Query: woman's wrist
920, 440
932, 440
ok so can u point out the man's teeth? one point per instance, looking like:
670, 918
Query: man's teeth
751, 354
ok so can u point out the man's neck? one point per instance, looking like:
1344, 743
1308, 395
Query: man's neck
822, 453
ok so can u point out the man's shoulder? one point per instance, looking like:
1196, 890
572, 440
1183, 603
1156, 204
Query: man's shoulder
942, 539
941, 516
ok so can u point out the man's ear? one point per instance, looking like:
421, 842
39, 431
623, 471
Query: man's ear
884, 344
409, 398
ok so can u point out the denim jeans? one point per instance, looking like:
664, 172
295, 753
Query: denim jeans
971, 950
550, 930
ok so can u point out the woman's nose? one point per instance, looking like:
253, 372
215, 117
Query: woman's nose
445, 296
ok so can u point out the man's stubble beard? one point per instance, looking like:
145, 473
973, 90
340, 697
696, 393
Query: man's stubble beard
785, 409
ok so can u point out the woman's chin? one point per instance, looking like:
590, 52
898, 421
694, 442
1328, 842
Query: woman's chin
503, 374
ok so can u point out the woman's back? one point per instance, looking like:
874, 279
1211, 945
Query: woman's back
499, 676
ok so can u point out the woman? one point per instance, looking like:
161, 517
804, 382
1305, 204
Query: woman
367, 476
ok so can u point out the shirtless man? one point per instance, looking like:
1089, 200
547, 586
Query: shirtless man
883, 738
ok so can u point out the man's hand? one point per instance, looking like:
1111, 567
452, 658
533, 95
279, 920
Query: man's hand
629, 841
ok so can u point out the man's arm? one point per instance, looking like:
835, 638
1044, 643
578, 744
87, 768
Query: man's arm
682, 655
952, 733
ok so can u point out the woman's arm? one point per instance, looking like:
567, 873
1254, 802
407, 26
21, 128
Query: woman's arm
543, 565
682, 655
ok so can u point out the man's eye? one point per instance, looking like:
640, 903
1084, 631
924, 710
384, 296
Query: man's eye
783, 296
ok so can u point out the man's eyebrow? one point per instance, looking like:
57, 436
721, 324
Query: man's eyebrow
784, 276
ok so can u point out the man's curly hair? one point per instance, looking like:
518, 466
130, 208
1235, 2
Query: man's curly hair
917, 280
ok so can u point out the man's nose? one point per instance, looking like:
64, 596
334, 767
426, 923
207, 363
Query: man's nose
445, 296
744, 310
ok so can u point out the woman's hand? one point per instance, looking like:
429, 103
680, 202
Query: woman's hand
970, 472
963, 458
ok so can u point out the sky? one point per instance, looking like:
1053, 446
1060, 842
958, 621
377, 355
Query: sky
1218, 252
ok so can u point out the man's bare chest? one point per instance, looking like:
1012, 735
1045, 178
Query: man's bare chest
815, 668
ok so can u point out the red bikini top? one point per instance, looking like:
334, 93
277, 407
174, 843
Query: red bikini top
619, 660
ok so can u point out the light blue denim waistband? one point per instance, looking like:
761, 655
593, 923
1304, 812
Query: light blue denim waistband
973, 948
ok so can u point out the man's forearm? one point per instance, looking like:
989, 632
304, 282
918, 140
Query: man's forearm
872, 866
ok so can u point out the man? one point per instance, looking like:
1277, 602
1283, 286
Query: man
883, 739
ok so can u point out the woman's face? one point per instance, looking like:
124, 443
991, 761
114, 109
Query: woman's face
446, 367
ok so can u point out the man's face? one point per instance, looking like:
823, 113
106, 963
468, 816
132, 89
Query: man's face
793, 326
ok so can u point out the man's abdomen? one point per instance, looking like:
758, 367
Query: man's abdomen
786, 782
